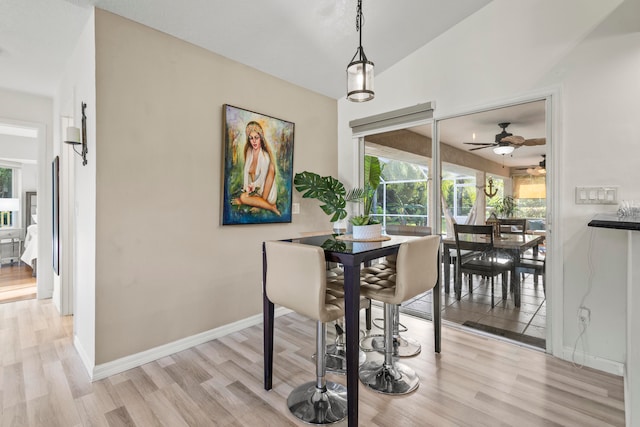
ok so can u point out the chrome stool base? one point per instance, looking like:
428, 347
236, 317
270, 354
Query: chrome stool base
336, 359
389, 379
314, 405
402, 347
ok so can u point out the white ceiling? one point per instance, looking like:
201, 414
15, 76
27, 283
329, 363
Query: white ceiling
526, 120
306, 42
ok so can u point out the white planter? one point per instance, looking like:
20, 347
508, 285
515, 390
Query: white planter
366, 232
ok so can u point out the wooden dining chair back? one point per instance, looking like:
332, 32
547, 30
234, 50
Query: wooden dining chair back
513, 226
534, 263
478, 239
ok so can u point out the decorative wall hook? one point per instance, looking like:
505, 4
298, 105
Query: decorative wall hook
491, 192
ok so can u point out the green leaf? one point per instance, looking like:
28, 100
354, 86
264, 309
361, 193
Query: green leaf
326, 189
372, 174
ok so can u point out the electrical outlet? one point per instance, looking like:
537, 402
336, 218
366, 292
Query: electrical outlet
584, 315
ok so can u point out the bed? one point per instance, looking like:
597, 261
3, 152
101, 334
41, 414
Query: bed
30, 254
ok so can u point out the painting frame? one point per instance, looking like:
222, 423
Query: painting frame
257, 170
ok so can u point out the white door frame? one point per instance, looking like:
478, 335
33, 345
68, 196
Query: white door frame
553, 275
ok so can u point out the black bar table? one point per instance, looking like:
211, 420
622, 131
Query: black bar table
351, 254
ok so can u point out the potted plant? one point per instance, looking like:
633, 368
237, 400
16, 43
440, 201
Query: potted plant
366, 226
506, 207
329, 191
334, 196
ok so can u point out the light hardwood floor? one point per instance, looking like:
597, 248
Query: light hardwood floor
475, 381
16, 282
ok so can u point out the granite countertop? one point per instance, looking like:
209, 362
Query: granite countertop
616, 222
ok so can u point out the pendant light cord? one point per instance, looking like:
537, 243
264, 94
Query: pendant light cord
359, 26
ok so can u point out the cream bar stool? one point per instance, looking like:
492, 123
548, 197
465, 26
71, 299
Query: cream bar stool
336, 356
296, 279
382, 274
416, 272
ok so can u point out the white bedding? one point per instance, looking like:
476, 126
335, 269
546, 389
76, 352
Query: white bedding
30, 245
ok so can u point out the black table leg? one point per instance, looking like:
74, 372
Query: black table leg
267, 324
352, 317
515, 282
437, 311
446, 266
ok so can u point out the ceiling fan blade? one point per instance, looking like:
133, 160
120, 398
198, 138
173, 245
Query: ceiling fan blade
479, 148
479, 143
535, 141
513, 140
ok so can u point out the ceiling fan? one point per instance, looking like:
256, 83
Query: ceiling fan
541, 169
506, 142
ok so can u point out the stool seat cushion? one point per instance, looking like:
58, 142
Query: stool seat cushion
296, 279
407, 275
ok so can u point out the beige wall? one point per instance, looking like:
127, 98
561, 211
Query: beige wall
165, 267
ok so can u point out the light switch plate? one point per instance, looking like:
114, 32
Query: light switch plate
604, 195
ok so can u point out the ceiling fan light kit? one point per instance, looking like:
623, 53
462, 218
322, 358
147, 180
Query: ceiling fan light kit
541, 169
503, 149
505, 142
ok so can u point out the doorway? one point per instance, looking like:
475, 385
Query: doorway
469, 157
19, 146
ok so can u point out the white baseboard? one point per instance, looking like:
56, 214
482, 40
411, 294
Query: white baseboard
86, 360
105, 370
605, 365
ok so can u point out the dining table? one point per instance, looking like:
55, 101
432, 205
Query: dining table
351, 254
514, 245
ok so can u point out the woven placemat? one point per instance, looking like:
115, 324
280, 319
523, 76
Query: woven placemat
349, 238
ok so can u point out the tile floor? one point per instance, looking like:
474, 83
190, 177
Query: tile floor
526, 324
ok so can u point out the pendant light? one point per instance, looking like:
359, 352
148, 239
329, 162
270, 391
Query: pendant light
360, 69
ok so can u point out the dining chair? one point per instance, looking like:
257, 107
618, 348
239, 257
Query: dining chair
296, 279
417, 271
485, 260
519, 226
513, 226
533, 266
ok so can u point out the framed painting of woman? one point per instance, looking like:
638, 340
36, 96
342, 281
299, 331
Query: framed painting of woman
258, 167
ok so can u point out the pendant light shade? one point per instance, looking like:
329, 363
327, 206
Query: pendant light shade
360, 69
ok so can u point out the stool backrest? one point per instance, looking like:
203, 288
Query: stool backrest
296, 279
417, 267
